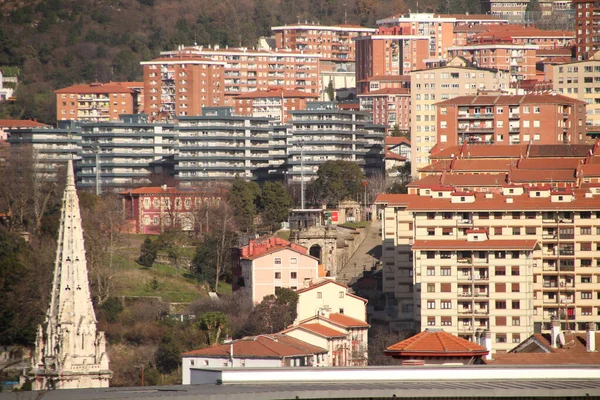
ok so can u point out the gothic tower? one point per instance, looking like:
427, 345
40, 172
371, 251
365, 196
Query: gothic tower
69, 352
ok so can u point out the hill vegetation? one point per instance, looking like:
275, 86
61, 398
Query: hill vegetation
57, 43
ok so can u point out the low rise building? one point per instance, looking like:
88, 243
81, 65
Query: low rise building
96, 102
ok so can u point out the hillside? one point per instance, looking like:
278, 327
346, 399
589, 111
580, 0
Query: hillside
57, 43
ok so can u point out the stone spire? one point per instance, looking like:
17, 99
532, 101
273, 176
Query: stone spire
70, 353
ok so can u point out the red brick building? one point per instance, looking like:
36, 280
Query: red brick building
96, 102
389, 107
587, 26
151, 210
507, 119
274, 103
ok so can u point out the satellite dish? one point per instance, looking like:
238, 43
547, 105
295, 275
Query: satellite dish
561, 339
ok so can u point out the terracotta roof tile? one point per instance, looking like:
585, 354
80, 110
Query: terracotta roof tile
275, 250
434, 343
396, 140
390, 155
346, 321
483, 150
542, 175
261, 346
21, 123
549, 163
545, 359
321, 330
95, 88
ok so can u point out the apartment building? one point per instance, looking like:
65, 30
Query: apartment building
153, 209
389, 107
587, 28
247, 70
510, 119
430, 86
390, 51
332, 43
515, 11
95, 102
323, 132
51, 147
378, 82
581, 80
118, 154
510, 261
219, 145
182, 85
438, 29
500, 53
7, 125
544, 39
274, 104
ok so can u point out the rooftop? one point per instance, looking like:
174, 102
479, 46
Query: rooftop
95, 88
435, 343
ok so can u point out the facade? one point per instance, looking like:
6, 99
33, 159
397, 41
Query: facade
96, 102
323, 132
581, 80
430, 86
587, 26
390, 51
274, 104
7, 125
517, 34
332, 43
118, 154
181, 85
505, 119
262, 351
69, 352
152, 210
389, 107
332, 297
248, 70
220, 146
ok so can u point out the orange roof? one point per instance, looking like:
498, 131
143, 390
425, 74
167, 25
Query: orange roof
461, 180
396, 140
390, 155
21, 123
481, 165
511, 99
435, 343
542, 175
275, 250
466, 245
346, 321
320, 330
549, 163
95, 88
483, 150
279, 93
261, 346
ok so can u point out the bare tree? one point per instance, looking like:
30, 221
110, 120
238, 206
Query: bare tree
380, 338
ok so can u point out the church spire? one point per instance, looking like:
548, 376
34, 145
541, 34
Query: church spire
70, 353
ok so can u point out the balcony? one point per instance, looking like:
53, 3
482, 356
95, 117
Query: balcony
475, 116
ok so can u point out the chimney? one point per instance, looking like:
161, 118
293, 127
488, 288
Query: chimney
486, 339
554, 332
590, 337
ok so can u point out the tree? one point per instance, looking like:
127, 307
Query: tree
330, 90
397, 132
275, 203
147, 253
380, 338
215, 325
274, 313
242, 198
337, 181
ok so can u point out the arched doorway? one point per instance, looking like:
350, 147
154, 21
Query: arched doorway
315, 251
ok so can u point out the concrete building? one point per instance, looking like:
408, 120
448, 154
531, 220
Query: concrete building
274, 104
587, 28
332, 43
581, 80
152, 210
220, 146
123, 151
323, 132
506, 119
389, 107
69, 352
96, 102
262, 351
390, 51
430, 86
544, 39
7, 125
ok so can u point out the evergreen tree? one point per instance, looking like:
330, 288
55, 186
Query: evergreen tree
275, 204
243, 198
330, 91
147, 253
337, 181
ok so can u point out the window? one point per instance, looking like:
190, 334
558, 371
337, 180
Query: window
294, 275
446, 304
430, 321
445, 255
430, 304
500, 321
514, 270
516, 231
277, 261
530, 230
500, 337
586, 279
516, 304
293, 261
500, 271
431, 287
500, 287
500, 305
516, 215
277, 275
319, 295
500, 255
586, 246
516, 321
445, 271
586, 295
446, 321
498, 230
515, 287
516, 338
430, 271
446, 287
585, 230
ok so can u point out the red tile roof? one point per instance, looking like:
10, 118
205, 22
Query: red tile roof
542, 175
466, 245
327, 282
549, 163
434, 343
277, 249
390, 155
511, 99
396, 140
346, 321
483, 150
95, 88
21, 123
261, 346
320, 330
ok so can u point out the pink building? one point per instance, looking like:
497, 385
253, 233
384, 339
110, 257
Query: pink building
266, 264
151, 210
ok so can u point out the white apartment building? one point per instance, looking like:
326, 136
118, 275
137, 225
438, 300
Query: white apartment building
437, 84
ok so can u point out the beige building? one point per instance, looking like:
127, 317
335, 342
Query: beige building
278, 267
437, 84
581, 80
511, 260
329, 296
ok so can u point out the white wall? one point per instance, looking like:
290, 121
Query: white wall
197, 363
309, 302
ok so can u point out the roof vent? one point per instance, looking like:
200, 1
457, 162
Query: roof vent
509, 200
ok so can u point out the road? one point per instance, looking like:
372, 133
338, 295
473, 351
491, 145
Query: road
365, 256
